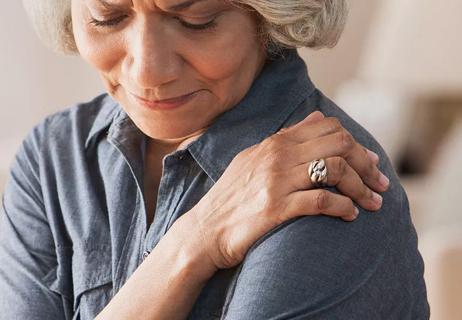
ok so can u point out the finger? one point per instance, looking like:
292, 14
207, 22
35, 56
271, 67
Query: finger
365, 164
373, 156
342, 144
341, 176
308, 129
319, 201
304, 131
311, 118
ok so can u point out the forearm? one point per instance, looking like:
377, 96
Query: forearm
167, 284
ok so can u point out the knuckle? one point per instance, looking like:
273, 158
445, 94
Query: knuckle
322, 200
285, 211
275, 158
365, 152
368, 193
273, 214
345, 140
274, 211
371, 165
283, 130
273, 143
372, 170
340, 166
375, 174
276, 139
333, 124
266, 195
272, 206
269, 141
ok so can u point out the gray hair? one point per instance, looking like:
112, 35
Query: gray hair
284, 23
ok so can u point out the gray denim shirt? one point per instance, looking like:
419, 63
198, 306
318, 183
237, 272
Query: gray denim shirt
73, 226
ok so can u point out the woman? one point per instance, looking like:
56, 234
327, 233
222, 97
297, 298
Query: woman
174, 197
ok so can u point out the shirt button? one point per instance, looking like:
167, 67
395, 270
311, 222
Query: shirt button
146, 254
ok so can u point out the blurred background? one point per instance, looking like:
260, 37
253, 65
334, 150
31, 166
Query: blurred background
397, 70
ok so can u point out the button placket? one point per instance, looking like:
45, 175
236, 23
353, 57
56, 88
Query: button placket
156, 226
167, 201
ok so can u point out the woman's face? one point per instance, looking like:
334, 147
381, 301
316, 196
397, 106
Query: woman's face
205, 53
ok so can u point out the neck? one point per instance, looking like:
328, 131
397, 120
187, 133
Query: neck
170, 145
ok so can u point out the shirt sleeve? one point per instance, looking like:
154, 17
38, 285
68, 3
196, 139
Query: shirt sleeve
321, 267
27, 251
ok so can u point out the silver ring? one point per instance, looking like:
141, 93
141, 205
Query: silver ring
317, 171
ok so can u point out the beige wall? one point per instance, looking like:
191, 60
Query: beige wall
329, 68
33, 81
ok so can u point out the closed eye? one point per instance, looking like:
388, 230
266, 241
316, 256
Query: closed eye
107, 23
203, 26
115, 21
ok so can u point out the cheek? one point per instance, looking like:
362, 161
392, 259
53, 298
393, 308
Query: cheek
234, 51
230, 68
220, 62
100, 51
103, 55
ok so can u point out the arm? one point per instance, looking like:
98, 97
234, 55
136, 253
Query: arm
320, 268
30, 283
28, 265
174, 271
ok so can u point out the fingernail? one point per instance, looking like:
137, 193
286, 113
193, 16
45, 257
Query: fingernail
377, 198
383, 180
356, 212
373, 156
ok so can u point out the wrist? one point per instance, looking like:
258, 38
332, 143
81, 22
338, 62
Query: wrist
192, 255
174, 271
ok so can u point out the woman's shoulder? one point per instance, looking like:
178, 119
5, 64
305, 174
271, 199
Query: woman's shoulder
320, 265
395, 209
62, 135
70, 127
77, 120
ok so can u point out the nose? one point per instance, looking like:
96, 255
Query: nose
152, 59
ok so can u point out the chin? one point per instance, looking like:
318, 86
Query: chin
170, 131
165, 125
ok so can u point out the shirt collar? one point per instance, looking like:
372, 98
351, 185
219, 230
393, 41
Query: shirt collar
282, 85
109, 113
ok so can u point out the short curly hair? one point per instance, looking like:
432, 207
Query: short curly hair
284, 23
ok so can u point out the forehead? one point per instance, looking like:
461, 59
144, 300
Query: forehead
170, 5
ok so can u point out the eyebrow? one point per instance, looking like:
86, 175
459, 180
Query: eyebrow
109, 5
175, 8
184, 5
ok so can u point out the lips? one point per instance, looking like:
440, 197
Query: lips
165, 103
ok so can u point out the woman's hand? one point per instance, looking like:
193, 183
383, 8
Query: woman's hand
268, 183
